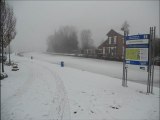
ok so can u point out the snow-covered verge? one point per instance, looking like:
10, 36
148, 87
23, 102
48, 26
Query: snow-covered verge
35, 92
104, 67
42, 90
99, 97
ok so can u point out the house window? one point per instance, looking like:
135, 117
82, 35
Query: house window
87, 51
106, 50
112, 40
109, 38
113, 51
103, 50
115, 39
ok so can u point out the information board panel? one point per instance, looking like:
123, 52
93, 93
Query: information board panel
137, 49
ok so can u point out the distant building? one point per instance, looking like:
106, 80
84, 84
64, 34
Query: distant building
112, 48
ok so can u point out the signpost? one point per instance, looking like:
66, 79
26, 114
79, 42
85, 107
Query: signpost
139, 50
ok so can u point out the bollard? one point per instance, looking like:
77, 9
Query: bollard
62, 64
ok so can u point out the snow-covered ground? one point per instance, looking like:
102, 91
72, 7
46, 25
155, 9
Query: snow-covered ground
42, 90
109, 68
35, 92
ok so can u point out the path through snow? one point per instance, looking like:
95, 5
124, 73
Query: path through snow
36, 92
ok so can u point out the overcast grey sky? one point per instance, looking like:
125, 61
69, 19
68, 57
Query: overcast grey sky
36, 20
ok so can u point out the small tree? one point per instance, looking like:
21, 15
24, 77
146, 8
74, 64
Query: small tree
86, 39
125, 27
2, 25
50, 44
64, 40
11, 31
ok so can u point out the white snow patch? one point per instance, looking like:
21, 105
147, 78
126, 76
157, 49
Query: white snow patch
41, 89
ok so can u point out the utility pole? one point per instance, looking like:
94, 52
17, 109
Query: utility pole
124, 58
126, 32
124, 82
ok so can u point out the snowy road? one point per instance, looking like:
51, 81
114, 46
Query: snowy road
36, 92
104, 67
42, 90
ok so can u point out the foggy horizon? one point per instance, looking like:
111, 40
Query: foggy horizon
37, 20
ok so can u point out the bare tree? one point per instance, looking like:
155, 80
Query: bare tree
50, 43
11, 30
64, 40
86, 39
8, 23
125, 27
2, 25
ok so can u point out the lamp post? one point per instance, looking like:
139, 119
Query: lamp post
126, 32
124, 58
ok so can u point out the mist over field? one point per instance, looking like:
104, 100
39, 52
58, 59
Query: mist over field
37, 20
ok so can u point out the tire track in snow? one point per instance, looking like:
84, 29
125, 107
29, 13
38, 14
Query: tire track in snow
102, 70
63, 109
61, 100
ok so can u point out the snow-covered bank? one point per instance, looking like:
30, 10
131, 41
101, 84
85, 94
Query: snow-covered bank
41, 90
109, 68
34, 92
98, 97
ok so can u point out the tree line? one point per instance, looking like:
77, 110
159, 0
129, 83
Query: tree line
65, 40
8, 24
7, 29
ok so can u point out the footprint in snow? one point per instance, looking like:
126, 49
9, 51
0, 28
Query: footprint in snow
75, 112
91, 111
115, 107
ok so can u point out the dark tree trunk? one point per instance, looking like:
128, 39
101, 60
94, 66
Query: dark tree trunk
9, 55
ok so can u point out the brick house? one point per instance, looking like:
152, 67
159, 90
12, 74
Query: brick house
112, 48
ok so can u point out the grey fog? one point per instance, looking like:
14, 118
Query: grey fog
37, 20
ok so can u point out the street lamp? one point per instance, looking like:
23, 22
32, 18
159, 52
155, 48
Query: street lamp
126, 32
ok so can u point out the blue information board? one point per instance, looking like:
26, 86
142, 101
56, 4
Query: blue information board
137, 49
137, 37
